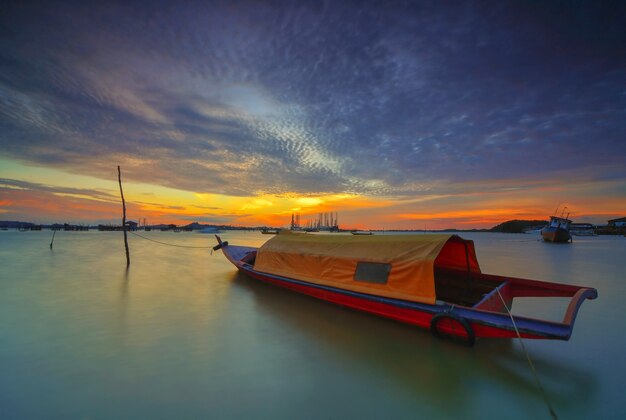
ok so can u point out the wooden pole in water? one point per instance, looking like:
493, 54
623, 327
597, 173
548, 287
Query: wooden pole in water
119, 178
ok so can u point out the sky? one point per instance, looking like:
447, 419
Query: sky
395, 114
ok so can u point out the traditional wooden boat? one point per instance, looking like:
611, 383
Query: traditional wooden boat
431, 281
557, 230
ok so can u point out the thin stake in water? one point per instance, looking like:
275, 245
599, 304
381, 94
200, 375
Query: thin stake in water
119, 178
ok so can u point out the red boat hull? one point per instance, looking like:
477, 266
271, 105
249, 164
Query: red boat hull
411, 316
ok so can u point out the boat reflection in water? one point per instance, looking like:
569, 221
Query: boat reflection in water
419, 364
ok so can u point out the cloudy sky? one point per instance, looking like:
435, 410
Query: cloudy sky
395, 114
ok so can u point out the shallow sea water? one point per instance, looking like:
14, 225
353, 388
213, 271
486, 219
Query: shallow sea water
182, 335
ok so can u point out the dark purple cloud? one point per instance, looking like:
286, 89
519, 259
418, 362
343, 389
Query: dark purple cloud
366, 97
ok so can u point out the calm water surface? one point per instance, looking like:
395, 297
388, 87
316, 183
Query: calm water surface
182, 335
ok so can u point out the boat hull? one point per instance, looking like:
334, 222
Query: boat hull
408, 313
552, 234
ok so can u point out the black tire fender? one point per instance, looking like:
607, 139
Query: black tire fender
434, 329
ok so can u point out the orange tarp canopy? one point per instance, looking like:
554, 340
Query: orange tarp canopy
395, 266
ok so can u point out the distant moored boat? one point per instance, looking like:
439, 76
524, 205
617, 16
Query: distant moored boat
557, 230
269, 231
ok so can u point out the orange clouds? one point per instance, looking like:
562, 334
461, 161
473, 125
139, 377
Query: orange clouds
36, 206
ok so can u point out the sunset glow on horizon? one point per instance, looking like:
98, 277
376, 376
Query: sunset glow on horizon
70, 199
395, 117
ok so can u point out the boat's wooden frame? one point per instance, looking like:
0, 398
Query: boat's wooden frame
486, 317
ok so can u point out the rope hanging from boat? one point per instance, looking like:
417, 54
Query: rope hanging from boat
165, 243
532, 367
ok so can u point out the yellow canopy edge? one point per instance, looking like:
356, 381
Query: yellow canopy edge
331, 260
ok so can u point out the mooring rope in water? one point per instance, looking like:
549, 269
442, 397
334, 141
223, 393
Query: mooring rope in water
530, 362
165, 243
